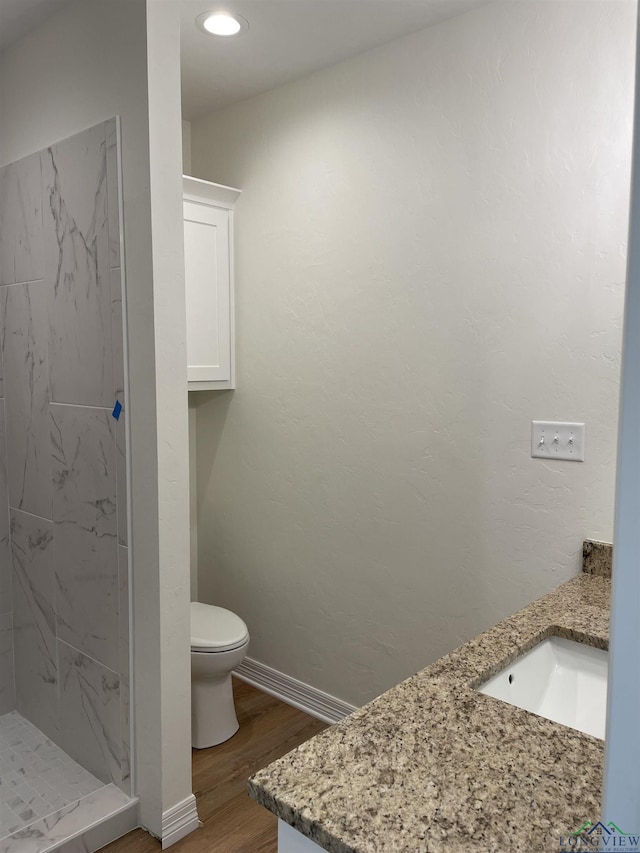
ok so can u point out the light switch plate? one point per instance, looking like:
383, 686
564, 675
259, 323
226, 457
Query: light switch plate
555, 440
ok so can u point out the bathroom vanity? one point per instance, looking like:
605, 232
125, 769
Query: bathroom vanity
435, 765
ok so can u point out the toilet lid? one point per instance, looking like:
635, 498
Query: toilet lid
214, 629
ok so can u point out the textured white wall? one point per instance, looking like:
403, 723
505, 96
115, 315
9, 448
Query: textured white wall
430, 253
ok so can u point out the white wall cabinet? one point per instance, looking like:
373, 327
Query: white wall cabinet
208, 250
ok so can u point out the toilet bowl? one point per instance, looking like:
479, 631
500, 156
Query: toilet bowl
219, 643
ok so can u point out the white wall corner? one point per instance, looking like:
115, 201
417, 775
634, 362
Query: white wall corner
178, 821
186, 147
193, 499
172, 426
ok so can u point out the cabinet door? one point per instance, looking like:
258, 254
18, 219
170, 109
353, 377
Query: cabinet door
207, 285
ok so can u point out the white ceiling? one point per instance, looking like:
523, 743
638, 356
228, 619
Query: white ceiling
287, 39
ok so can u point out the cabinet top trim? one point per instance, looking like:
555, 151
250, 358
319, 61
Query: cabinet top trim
195, 189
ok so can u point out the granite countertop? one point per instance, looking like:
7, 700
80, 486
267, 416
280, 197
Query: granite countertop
433, 765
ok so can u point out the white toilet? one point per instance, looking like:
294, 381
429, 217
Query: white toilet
219, 643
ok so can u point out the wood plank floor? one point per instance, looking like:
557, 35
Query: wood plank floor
232, 822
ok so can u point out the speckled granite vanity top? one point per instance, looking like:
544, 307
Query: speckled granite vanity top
433, 765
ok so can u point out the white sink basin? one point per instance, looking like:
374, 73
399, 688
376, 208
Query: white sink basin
558, 679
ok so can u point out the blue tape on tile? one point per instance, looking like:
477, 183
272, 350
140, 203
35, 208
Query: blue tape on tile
117, 410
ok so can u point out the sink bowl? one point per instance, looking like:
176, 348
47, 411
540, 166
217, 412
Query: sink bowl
558, 679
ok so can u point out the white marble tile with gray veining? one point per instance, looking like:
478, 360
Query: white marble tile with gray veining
76, 241
62, 570
5, 554
115, 281
113, 192
116, 822
1, 347
90, 713
34, 621
120, 425
85, 530
54, 829
37, 778
125, 722
123, 573
23, 309
7, 690
21, 243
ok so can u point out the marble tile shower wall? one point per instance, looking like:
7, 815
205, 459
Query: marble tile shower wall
63, 536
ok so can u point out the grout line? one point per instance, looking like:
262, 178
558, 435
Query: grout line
82, 406
23, 283
32, 514
84, 654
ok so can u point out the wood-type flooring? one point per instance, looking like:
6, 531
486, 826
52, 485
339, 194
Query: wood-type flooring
233, 823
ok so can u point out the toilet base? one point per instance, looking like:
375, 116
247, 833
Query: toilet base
213, 713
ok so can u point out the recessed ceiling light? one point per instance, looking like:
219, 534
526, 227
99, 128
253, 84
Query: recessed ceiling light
221, 23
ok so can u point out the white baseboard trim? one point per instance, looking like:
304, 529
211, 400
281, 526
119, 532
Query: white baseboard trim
302, 696
179, 821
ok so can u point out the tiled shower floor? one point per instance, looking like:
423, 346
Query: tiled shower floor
48, 802
36, 776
